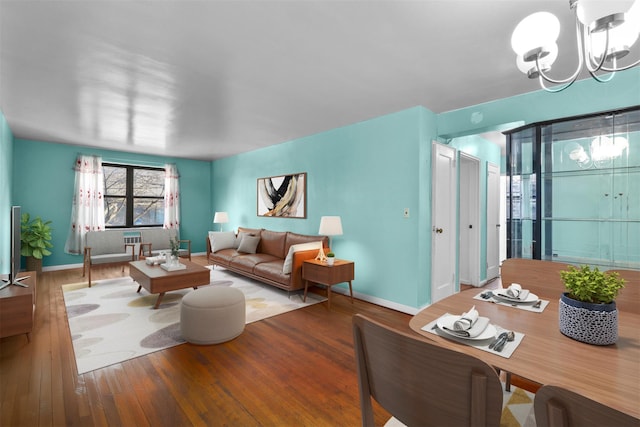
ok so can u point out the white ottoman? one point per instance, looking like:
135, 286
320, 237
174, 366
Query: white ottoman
212, 315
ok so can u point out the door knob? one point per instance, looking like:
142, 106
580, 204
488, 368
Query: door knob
438, 230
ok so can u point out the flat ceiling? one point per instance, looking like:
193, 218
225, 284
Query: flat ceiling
209, 79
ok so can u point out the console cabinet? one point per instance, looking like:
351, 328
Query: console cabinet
18, 307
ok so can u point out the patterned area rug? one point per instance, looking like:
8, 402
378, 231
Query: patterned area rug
110, 322
517, 410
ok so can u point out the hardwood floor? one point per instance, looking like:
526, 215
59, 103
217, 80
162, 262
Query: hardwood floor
295, 369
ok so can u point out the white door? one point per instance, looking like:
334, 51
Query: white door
443, 222
493, 221
469, 223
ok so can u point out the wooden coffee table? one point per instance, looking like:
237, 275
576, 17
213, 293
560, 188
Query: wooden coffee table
157, 280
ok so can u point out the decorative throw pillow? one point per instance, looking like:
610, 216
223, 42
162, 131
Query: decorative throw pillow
222, 240
288, 261
249, 244
241, 234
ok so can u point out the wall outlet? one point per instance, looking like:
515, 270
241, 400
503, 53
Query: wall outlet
406, 212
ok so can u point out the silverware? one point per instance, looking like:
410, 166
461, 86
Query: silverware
486, 295
537, 304
509, 337
498, 338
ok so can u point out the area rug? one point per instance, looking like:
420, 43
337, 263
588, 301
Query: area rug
517, 409
110, 322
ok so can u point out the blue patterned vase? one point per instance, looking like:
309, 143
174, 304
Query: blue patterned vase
588, 322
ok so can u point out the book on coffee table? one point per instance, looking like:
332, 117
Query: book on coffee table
173, 267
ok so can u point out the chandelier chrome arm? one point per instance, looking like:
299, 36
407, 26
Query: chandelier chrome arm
569, 80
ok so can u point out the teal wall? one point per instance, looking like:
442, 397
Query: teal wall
6, 155
43, 182
366, 173
584, 97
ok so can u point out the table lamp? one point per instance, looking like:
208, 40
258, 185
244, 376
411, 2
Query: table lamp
220, 218
329, 226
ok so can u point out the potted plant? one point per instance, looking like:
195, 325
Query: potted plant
588, 310
35, 238
330, 258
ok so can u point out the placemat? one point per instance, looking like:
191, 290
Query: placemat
526, 307
506, 352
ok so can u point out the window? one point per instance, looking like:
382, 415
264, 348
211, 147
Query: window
134, 196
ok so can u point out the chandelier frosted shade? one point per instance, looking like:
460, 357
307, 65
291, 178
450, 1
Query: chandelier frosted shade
529, 34
599, 15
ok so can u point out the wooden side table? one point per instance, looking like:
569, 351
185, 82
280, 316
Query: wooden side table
319, 272
17, 307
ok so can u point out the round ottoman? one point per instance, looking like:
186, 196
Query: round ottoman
212, 315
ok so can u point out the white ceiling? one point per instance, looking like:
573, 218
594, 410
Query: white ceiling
209, 79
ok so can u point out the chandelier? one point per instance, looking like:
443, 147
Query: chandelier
605, 32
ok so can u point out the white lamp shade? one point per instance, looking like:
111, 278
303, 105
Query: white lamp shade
535, 31
221, 218
330, 226
589, 11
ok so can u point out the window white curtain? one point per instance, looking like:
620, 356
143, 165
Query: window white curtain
171, 197
87, 209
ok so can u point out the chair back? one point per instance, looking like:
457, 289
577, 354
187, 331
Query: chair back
558, 407
543, 277
421, 383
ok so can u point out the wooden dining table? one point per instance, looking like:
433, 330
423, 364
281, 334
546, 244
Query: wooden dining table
608, 374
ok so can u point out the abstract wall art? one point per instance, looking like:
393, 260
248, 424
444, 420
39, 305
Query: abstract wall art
283, 196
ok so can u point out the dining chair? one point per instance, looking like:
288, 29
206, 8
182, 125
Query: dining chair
558, 407
421, 383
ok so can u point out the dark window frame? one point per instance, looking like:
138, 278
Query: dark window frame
129, 196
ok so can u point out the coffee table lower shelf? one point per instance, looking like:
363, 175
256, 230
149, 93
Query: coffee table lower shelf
156, 280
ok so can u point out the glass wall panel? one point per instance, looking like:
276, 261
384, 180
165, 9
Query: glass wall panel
589, 189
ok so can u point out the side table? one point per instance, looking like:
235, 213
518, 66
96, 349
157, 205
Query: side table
17, 307
321, 273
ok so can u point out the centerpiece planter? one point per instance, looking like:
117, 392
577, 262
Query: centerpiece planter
587, 312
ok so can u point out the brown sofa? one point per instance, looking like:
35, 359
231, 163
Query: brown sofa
267, 264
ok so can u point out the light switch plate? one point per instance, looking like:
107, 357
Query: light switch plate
406, 212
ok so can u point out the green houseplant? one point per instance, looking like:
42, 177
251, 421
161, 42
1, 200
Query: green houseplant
35, 238
588, 310
331, 258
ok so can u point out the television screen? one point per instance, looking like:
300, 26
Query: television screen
15, 251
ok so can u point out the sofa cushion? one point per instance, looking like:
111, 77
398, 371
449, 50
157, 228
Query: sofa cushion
105, 242
246, 262
288, 261
222, 240
272, 243
109, 258
242, 231
271, 270
295, 239
224, 256
158, 237
249, 244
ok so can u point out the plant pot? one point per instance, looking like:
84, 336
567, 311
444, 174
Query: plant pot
588, 322
34, 264
330, 261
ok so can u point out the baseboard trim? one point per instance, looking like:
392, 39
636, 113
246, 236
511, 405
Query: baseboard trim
378, 301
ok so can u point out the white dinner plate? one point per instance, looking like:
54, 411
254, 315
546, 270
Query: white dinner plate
530, 298
447, 321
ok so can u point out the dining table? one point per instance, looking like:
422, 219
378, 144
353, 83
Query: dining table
609, 374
